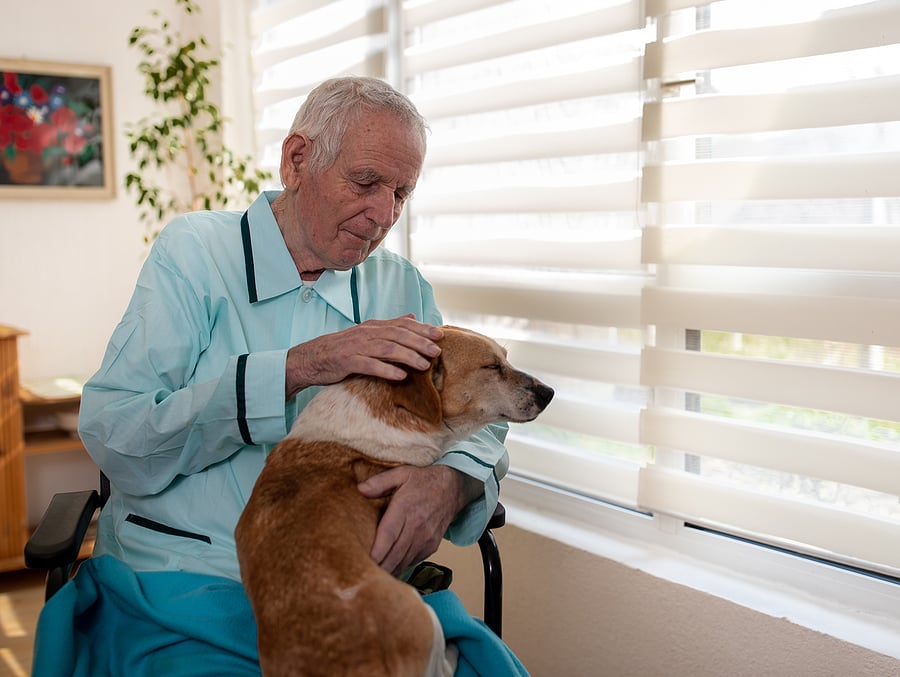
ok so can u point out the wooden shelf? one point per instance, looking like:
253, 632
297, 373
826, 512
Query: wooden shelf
51, 441
45, 431
13, 527
35, 418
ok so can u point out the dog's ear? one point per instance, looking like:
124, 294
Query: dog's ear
437, 373
419, 392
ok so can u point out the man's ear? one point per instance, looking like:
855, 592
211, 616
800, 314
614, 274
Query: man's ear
419, 392
294, 152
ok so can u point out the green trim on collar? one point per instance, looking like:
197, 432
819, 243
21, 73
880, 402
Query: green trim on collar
248, 259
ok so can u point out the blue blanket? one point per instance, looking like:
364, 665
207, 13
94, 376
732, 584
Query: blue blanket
110, 620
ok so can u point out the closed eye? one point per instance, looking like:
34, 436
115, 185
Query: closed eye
364, 179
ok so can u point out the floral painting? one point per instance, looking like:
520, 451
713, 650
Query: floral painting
52, 129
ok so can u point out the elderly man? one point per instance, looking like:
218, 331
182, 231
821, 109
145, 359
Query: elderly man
234, 322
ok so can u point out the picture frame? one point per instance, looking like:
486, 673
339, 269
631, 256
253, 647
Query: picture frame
55, 131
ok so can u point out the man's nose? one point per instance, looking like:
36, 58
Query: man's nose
383, 207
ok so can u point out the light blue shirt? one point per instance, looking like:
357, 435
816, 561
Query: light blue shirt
189, 398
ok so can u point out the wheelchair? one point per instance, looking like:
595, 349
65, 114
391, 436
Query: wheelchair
55, 544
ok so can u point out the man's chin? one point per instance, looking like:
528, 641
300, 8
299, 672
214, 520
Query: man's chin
354, 258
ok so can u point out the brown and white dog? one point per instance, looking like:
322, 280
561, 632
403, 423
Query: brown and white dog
323, 607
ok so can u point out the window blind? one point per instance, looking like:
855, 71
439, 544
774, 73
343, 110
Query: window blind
771, 188
526, 218
681, 214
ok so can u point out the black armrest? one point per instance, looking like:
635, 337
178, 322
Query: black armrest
498, 519
493, 572
58, 537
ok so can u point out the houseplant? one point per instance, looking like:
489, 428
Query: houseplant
182, 162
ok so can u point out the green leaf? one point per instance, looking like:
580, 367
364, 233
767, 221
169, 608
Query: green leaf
183, 135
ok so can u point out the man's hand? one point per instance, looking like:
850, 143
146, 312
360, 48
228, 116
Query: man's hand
424, 501
374, 347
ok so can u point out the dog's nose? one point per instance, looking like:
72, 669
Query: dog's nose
542, 394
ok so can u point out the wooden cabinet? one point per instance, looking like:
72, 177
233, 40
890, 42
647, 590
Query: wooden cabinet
24, 433
13, 513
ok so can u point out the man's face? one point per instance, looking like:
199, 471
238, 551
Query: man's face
346, 211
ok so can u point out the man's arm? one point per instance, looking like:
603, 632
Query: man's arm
456, 496
144, 419
484, 458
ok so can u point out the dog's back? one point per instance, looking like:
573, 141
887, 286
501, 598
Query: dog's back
325, 615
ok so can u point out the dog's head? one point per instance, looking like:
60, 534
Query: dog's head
414, 421
469, 385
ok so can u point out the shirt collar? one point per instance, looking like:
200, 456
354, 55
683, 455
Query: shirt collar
270, 269
268, 263
333, 286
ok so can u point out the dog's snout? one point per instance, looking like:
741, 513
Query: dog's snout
542, 394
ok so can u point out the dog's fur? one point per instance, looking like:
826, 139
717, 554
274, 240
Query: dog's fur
322, 606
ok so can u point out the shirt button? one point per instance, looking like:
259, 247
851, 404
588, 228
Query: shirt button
306, 295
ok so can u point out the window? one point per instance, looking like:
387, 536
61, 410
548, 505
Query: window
683, 215
770, 134
527, 216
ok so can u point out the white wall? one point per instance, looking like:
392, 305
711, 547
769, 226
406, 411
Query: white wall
68, 267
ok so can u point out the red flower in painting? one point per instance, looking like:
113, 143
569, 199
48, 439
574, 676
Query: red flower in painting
66, 124
64, 120
14, 122
41, 137
38, 95
11, 82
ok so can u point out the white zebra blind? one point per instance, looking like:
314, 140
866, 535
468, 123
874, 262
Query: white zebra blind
526, 219
682, 214
772, 133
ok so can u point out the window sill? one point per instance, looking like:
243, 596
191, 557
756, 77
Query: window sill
856, 608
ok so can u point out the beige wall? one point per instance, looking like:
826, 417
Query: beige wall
67, 267
569, 613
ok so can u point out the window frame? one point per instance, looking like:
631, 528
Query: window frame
857, 607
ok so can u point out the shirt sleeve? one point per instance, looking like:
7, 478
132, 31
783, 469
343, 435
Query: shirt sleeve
145, 417
484, 457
